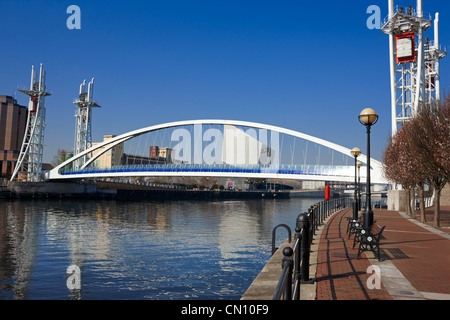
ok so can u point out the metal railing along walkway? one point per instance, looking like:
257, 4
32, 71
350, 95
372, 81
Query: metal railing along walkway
295, 263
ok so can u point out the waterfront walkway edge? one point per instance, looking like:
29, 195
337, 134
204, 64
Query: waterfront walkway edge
415, 263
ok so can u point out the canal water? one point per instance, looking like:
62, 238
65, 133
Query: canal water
173, 250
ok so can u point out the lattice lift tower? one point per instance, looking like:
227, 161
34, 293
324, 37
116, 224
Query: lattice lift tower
30, 156
414, 61
83, 119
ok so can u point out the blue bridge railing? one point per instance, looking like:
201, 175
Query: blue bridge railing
340, 171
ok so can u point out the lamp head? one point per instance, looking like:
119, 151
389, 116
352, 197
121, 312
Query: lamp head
355, 152
368, 117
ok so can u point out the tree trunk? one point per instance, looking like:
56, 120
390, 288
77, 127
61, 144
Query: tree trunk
407, 201
437, 208
413, 202
423, 218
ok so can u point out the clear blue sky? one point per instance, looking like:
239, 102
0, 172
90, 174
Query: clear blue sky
307, 66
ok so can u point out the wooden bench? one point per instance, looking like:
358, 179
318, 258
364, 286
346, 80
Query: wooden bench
369, 240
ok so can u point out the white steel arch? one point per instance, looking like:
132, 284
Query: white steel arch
376, 171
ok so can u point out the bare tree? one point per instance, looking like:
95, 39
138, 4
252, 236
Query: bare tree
420, 153
442, 130
57, 157
396, 165
418, 172
429, 145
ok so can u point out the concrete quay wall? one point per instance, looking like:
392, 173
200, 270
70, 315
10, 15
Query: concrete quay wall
265, 284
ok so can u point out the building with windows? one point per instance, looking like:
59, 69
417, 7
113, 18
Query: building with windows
112, 157
163, 155
13, 120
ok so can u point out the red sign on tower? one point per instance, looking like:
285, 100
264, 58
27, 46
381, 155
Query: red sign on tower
405, 47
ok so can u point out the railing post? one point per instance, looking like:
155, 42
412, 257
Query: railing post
316, 218
323, 210
297, 273
285, 282
303, 224
320, 212
288, 263
311, 221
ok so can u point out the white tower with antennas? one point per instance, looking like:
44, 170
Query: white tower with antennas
83, 119
414, 62
30, 156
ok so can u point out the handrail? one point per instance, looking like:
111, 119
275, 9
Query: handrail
319, 170
295, 271
285, 282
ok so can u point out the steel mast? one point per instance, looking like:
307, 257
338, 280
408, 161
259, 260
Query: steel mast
414, 63
433, 54
83, 121
30, 156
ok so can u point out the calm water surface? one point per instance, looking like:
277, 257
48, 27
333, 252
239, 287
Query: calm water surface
138, 250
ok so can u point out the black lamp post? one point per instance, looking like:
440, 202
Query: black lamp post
368, 117
359, 164
355, 152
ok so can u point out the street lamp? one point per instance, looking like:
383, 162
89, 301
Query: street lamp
368, 117
359, 164
355, 152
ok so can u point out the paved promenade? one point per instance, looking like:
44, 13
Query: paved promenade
416, 259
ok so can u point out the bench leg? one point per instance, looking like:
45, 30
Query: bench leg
357, 238
360, 249
350, 231
378, 253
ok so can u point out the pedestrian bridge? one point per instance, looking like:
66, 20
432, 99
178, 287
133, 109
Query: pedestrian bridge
216, 148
